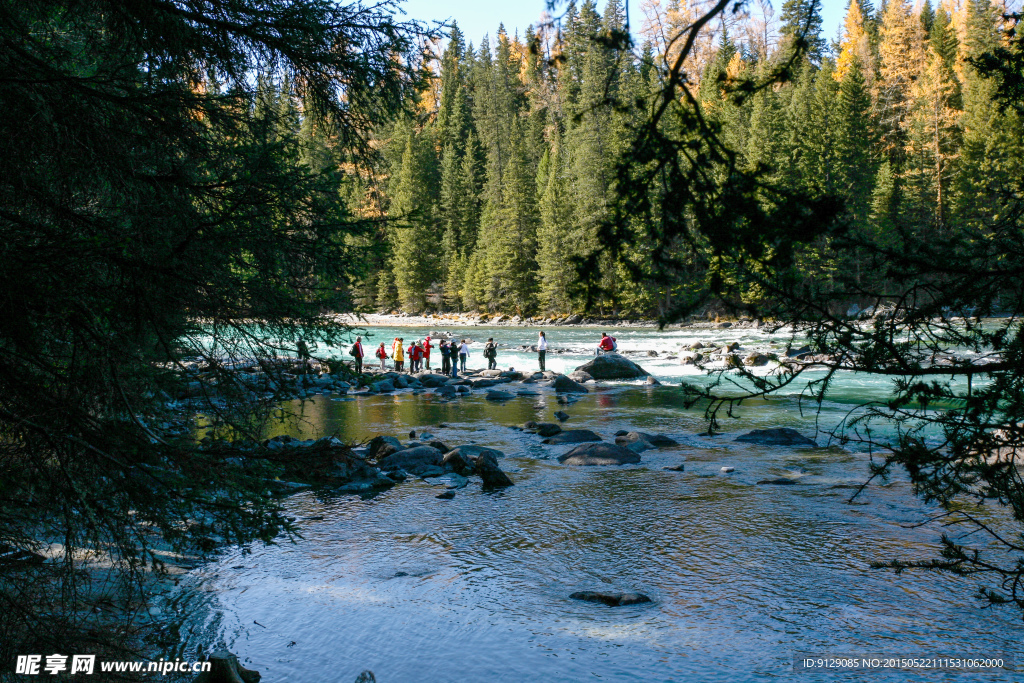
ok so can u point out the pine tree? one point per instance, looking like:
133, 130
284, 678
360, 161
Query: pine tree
555, 273
801, 19
416, 262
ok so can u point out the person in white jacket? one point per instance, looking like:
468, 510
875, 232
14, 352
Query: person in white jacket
542, 350
463, 353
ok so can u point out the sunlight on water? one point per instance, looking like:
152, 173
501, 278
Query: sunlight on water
742, 576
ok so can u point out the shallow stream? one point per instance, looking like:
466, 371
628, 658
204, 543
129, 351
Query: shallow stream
745, 578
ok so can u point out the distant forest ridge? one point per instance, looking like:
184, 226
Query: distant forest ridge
502, 174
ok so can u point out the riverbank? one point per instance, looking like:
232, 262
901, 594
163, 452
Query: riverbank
502, 320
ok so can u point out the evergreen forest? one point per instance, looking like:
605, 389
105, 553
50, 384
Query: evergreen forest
495, 184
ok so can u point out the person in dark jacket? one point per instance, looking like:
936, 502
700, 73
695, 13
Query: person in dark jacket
491, 353
446, 357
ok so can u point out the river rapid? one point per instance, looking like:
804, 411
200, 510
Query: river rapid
745, 578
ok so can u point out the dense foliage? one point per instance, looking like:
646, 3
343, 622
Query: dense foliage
891, 180
508, 170
156, 196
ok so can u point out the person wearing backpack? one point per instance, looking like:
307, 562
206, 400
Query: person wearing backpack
382, 354
357, 354
491, 353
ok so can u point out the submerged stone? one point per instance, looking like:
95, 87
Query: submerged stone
611, 598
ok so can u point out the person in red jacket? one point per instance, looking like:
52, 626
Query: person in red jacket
382, 353
606, 345
357, 354
415, 357
426, 352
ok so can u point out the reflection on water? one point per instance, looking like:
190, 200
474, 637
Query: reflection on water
743, 577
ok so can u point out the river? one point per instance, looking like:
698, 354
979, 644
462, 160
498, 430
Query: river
744, 578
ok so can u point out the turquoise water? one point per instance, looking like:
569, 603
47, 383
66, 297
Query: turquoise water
743, 577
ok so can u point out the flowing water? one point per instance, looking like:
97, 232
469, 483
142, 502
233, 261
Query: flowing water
744, 578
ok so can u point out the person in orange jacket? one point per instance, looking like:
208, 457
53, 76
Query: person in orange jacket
382, 354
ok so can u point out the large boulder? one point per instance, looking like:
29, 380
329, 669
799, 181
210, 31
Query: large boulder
590, 454
564, 385
572, 436
777, 436
418, 461
612, 366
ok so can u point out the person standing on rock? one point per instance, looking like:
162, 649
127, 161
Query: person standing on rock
417, 357
542, 350
426, 352
446, 357
606, 345
463, 355
357, 354
399, 355
410, 354
382, 354
491, 353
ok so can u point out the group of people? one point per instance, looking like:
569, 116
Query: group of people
453, 354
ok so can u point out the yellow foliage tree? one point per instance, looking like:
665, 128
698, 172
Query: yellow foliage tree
855, 46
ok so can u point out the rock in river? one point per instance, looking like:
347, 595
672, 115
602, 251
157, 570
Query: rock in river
381, 446
487, 468
613, 366
777, 436
416, 461
611, 598
565, 385
591, 454
573, 436
457, 462
472, 452
546, 429
499, 396
562, 416
656, 440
